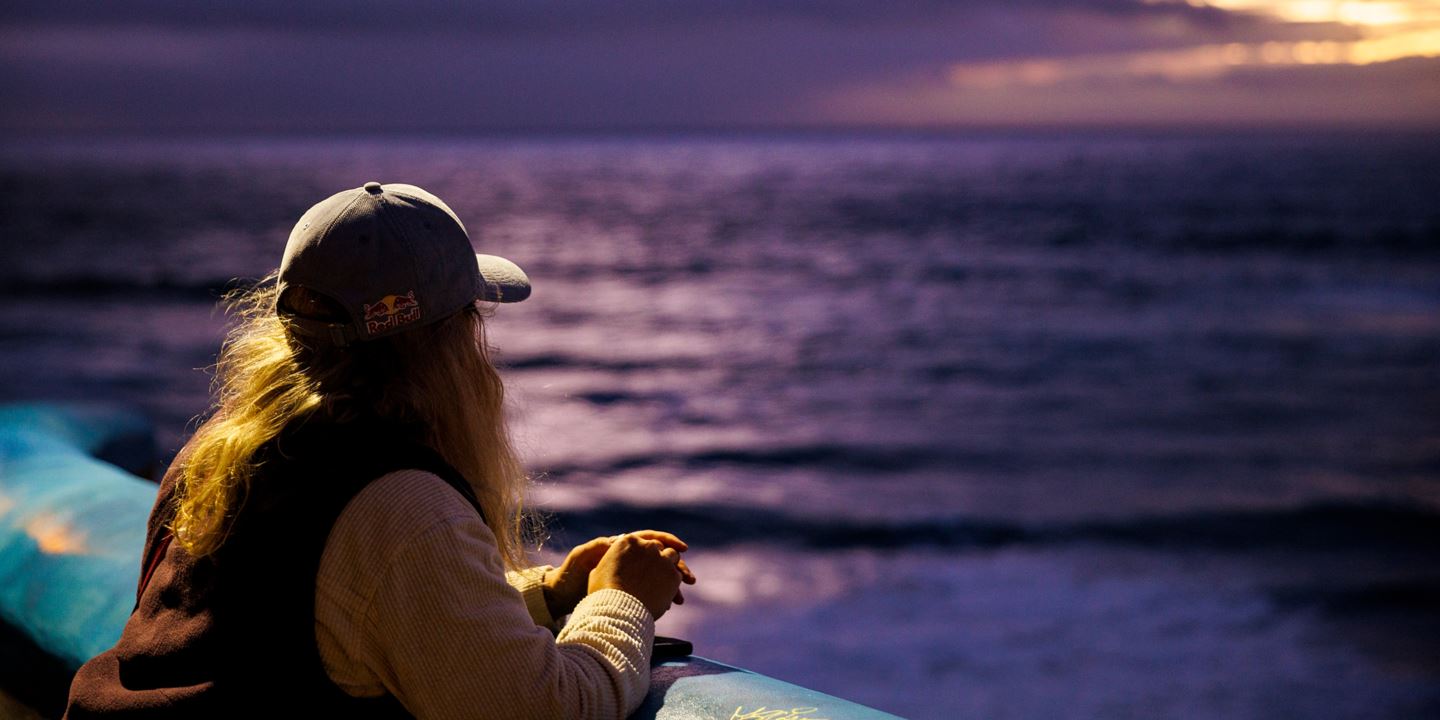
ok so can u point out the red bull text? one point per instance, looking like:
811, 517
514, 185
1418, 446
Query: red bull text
391, 311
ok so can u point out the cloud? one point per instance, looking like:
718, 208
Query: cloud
554, 16
273, 65
1396, 93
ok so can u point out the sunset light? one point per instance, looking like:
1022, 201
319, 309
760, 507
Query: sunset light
1388, 31
1350, 12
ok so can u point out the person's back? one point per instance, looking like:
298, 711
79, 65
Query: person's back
344, 534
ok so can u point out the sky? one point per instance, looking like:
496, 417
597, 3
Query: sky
357, 66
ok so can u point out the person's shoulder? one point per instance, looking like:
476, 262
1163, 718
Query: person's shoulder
405, 503
399, 512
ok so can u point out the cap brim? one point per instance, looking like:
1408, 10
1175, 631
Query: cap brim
504, 281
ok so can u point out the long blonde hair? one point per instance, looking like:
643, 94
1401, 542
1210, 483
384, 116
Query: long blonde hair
439, 375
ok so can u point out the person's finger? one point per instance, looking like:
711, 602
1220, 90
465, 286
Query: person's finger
668, 538
590, 552
671, 554
679, 598
685, 573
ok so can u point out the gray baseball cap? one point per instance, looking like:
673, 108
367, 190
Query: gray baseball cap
394, 257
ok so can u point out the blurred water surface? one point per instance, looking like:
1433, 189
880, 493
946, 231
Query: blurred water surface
1014, 427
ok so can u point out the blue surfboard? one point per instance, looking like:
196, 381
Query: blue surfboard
694, 688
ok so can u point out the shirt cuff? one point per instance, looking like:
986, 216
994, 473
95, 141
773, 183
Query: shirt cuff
626, 620
618, 603
530, 584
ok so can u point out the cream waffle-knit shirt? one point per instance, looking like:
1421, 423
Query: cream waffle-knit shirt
412, 599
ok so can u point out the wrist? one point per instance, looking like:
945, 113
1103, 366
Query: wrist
555, 601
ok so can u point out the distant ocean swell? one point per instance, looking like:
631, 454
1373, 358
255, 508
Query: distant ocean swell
120, 286
1078, 221
1321, 526
900, 460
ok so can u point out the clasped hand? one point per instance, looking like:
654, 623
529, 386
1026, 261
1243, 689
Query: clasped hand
644, 563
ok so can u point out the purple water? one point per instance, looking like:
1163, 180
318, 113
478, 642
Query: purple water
1023, 427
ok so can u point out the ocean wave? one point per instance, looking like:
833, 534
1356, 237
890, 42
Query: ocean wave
895, 459
1068, 220
120, 287
1327, 525
1410, 595
549, 361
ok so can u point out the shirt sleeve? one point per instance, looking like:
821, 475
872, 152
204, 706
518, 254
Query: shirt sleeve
528, 583
445, 631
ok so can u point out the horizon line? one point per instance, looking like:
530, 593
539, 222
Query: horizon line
8, 135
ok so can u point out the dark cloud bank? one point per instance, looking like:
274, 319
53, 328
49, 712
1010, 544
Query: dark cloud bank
272, 66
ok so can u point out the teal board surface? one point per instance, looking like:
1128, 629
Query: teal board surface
695, 688
71, 527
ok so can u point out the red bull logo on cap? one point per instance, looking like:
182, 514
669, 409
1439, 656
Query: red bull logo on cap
391, 311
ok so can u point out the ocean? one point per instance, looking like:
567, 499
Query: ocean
1001, 426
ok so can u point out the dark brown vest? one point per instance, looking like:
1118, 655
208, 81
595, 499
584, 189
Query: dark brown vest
233, 634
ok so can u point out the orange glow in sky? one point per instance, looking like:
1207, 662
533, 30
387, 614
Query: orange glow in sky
1390, 30
1349, 12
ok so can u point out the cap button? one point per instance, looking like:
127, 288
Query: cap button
373, 188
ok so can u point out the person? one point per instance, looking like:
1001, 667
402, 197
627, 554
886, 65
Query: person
345, 535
